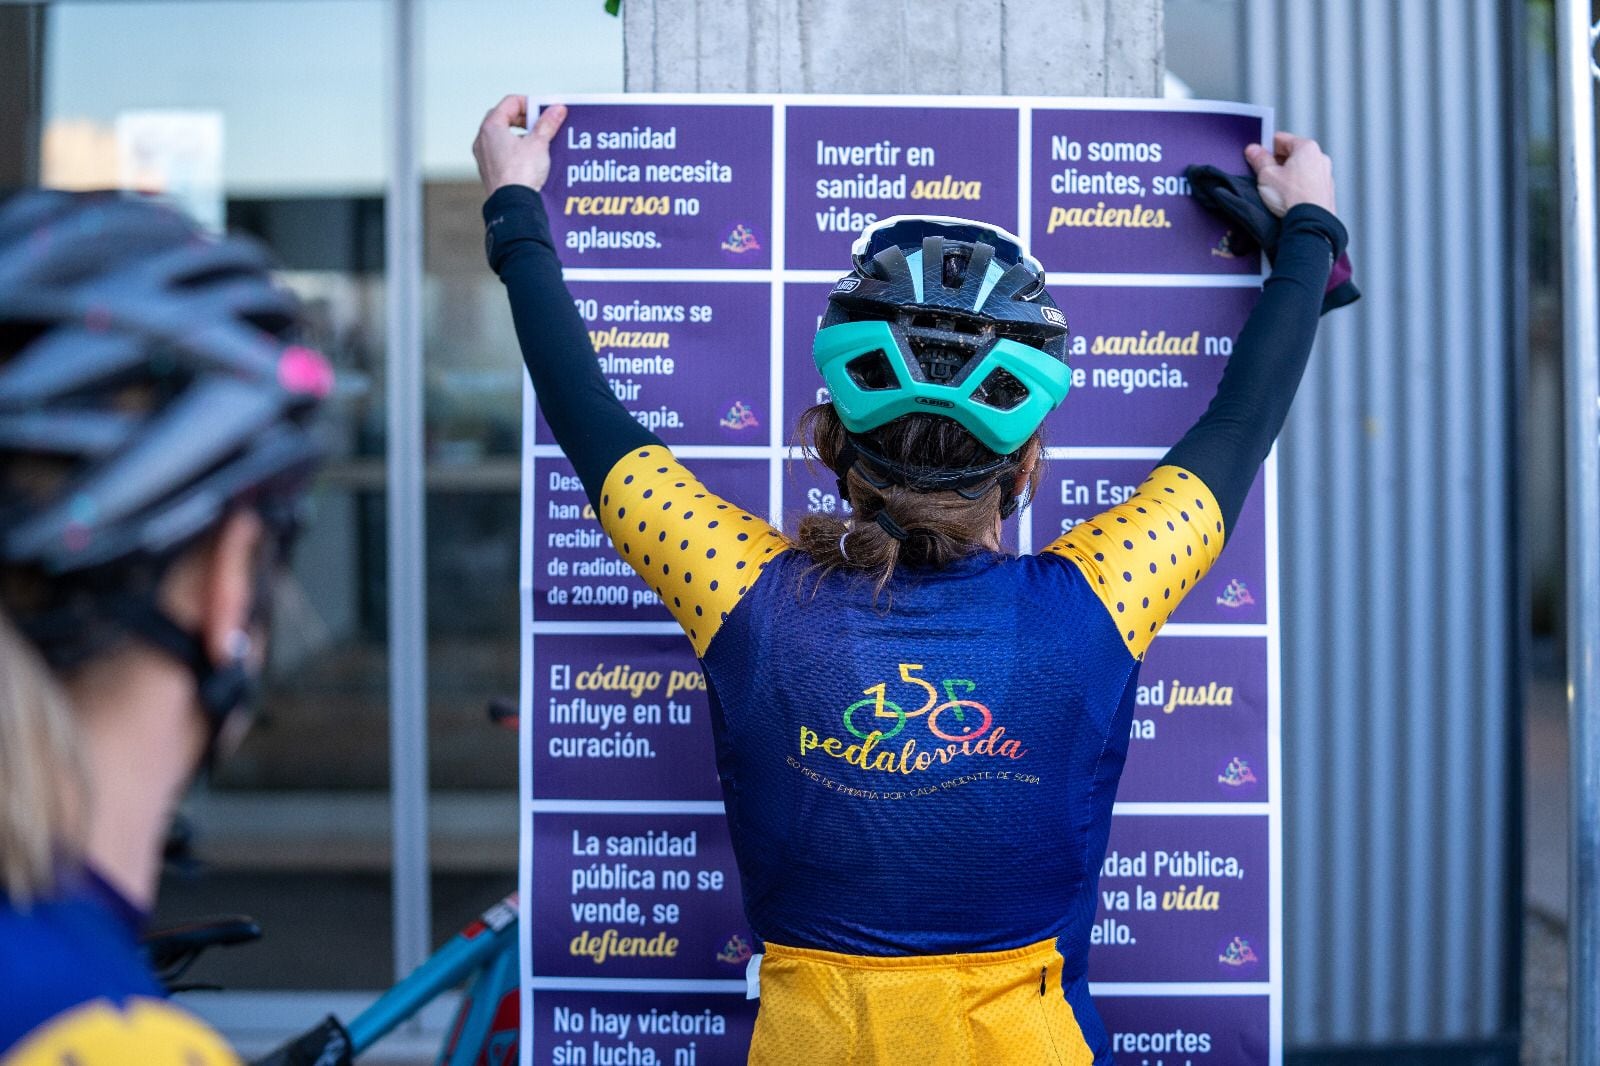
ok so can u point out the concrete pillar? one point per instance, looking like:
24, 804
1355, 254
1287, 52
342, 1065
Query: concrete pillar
1045, 47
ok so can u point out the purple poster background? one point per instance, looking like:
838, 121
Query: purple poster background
847, 167
578, 576
1183, 898
690, 362
620, 717
803, 387
1074, 490
810, 488
610, 901
1157, 1030
1109, 196
617, 713
1145, 361
1173, 1031
1200, 723
622, 177
591, 1027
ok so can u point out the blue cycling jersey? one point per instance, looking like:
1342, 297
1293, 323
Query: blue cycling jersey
75, 990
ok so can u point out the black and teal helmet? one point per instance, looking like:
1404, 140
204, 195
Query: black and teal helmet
949, 317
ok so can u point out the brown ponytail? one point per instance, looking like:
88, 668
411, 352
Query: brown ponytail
939, 527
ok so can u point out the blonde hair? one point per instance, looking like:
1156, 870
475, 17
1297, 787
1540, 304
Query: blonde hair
41, 775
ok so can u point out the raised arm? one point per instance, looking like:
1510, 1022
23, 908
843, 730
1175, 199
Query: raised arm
698, 552
1144, 555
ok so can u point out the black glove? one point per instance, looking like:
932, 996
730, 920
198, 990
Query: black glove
1236, 199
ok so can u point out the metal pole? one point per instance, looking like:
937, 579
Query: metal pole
408, 639
22, 82
1581, 337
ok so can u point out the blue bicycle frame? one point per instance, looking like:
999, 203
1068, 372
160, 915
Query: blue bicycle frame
486, 1027
486, 942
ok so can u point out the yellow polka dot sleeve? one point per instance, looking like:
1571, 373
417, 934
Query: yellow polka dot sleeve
1144, 555
697, 551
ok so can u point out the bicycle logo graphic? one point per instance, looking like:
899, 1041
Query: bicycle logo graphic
956, 720
742, 239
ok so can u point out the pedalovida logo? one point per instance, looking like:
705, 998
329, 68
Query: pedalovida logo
1237, 954
1237, 773
1237, 594
740, 415
736, 951
1223, 249
741, 239
888, 738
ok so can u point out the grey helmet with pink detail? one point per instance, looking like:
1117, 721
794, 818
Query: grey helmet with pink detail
147, 369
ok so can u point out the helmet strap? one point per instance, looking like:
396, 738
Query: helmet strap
970, 483
850, 459
1012, 502
221, 689
887, 523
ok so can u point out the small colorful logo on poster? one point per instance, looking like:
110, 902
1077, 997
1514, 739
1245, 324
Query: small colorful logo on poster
1237, 594
1238, 954
740, 240
736, 951
740, 416
1237, 773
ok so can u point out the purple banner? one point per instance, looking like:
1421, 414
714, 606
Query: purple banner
1199, 723
577, 575
1183, 898
1109, 195
1145, 361
1074, 490
620, 717
690, 362
715, 1030
677, 1029
636, 895
685, 186
1174, 1031
847, 167
809, 488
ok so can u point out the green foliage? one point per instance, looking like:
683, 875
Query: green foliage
613, 7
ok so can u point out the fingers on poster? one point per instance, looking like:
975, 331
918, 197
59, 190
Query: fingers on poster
701, 237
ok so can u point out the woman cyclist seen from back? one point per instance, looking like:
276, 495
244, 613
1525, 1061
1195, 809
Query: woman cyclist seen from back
154, 447
901, 648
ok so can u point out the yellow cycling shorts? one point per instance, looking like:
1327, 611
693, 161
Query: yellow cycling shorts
819, 1008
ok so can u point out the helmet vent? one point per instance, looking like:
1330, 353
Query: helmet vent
1025, 333
1001, 391
946, 323
940, 362
955, 267
871, 372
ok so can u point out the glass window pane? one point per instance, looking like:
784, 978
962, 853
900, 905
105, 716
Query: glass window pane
270, 116
475, 52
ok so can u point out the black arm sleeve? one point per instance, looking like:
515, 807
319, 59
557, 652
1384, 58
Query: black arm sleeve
590, 424
1230, 441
